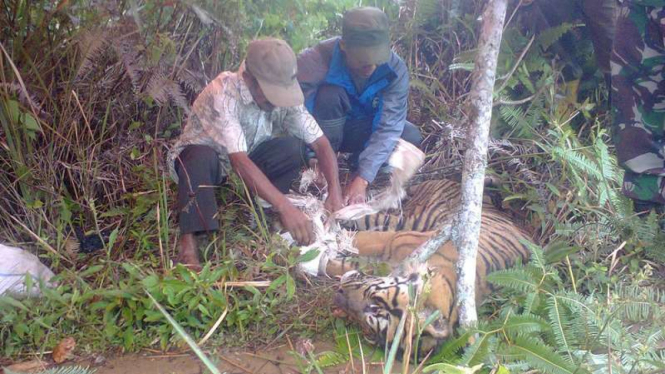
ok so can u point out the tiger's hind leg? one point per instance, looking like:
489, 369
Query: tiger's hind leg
385, 246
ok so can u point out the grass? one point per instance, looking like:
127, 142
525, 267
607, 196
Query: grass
102, 303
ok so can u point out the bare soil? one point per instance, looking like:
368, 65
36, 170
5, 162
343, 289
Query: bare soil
275, 361
278, 360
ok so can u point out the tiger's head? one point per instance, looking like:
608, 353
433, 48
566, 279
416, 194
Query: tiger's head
378, 303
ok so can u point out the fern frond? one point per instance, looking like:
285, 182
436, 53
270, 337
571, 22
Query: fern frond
639, 303
524, 324
130, 60
561, 324
91, 44
577, 161
190, 80
542, 357
517, 279
476, 352
165, 90
532, 302
330, 358
449, 351
550, 36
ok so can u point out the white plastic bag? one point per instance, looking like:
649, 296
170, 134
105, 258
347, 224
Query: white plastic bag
15, 263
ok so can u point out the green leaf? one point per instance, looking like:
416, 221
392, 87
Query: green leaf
128, 338
31, 123
516, 279
525, 324
330, 358
560, 321
477, 352
290, 286
308, 256
14, 111
135, 125
451, 347
13, 302
558, 250
277, 282
541, 356
112, 237
183, 334
444, 368
90, 271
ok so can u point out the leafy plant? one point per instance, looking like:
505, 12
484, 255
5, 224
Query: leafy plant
544, 325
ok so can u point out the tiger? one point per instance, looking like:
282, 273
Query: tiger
377, 303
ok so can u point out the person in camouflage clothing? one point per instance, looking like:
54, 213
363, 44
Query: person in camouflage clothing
638, 101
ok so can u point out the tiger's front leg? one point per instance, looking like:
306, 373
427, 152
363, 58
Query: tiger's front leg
386, 246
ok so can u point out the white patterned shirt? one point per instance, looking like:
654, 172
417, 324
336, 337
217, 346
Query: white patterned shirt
225, 117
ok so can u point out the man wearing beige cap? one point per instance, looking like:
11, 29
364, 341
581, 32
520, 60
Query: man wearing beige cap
252, 122
357, 89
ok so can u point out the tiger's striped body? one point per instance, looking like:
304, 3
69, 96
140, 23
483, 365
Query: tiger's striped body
377, 303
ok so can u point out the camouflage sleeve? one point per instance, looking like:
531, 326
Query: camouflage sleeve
638, 100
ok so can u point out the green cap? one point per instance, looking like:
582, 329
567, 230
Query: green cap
366, 35
272, 62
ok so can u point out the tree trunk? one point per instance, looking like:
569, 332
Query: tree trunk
465, 229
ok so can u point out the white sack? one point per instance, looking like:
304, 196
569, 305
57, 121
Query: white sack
15, 263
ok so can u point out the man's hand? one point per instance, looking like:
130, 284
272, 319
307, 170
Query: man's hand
297, 223
328, 165
334, 202
356, 191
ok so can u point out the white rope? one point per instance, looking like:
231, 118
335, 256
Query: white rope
332, 240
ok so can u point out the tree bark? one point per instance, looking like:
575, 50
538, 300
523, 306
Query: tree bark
465, 229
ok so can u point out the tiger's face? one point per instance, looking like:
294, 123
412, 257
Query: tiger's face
378, 303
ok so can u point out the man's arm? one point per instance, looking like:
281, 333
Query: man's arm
328, 162
382, 141
313, 65
391, 124
295, 221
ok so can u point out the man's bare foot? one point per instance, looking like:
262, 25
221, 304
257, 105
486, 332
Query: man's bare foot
188, 255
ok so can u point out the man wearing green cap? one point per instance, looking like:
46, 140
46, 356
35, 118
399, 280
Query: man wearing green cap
357, 89
252, 122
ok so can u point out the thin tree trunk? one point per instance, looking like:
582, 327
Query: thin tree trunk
466, 226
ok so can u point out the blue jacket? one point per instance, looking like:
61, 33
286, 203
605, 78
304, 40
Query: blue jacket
384, 98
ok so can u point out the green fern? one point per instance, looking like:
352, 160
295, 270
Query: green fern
449, 350
517, 279
550, 36
579, 163
330, 358
561, 322
524, 324
542, 357
476, 352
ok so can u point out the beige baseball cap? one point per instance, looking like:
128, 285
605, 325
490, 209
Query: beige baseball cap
272, 62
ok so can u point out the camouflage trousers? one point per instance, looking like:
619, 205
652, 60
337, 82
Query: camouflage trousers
638, 98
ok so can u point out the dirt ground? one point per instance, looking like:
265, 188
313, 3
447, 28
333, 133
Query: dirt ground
275, 361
